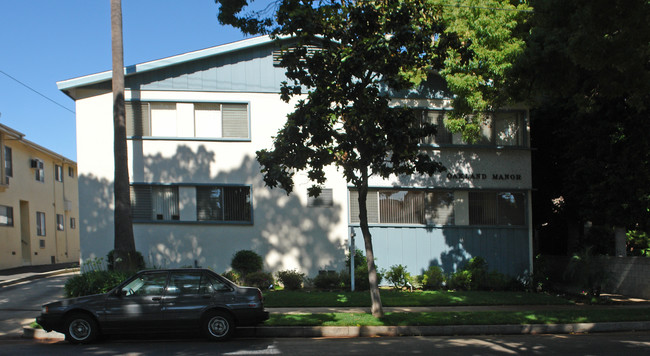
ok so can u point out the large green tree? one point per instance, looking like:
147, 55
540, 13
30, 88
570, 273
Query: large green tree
587, 71
341, 58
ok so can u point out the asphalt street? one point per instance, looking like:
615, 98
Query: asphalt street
628, 344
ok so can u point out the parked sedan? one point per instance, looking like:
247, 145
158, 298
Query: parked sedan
171, 300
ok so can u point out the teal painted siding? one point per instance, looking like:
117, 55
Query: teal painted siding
506, 250
247, 70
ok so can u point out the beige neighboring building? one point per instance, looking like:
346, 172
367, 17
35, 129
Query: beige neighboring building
39, 204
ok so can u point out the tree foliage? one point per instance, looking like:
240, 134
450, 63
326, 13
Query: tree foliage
586, 69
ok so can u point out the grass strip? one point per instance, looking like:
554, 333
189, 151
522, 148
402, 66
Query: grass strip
461, 318
389, 298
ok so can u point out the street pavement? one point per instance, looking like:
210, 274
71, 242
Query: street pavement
52, 277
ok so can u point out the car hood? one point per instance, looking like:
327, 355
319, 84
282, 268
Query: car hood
77, 301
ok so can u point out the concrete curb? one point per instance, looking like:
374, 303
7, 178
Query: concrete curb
448, 330
34, 276
391, 331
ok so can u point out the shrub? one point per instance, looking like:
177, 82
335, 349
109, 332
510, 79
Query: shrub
139, 260
329, 281
433, 278
246, 261
93, 282
233, 276
585, 271
291, 280
259, 279
461, 280
398, 276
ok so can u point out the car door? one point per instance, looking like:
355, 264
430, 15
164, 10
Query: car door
189, 294
137, 306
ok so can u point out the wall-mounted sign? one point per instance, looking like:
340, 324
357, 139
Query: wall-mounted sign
483, 176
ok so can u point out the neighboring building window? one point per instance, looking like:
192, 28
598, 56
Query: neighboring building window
60, 222
58, 173
40, 223
73, 223
209, 121
9, 166
70, 172
223, 203
41, 243
6, 216
492, 208
443, 136
39, 170
325, 199
405, 207
154, 202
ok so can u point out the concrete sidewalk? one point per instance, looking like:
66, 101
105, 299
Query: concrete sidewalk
17, 275
23, 274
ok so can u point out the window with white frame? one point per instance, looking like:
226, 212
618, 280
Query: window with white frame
154, 202
60, 222
224, 203
6, 215
497, 208
399, 206
187, 120
70, 172
9, 165
40, 223
58, 173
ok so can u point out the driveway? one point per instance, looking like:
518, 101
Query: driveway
20, 304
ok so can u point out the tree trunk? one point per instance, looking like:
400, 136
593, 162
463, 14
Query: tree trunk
124, 240
376, 306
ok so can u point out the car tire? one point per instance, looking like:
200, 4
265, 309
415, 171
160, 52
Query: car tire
218, 325
80, 328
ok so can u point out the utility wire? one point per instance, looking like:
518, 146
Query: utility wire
35, 91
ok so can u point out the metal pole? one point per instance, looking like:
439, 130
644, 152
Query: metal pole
353, 251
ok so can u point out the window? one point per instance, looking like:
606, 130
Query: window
168, 120
184, 283
223, 203
405, 207
503, 128
40, 223
40, 170
70, 172
9, 166
60, 222
41, 243
6, 216
503, 208
58, 173
325, 199
154, 202
73, 223
146, 284
443, 135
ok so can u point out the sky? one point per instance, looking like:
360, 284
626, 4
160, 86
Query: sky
46, 41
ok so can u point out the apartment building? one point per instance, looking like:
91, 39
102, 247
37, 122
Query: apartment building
195, 122
39, 212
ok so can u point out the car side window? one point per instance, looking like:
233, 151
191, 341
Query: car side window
213, 284
184, 283
146, 284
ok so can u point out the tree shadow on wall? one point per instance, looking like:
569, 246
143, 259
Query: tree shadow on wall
285, 231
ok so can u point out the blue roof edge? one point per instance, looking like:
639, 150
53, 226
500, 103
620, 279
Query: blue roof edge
165, 62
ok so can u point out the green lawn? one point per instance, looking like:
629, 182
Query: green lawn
461, 318
389, 298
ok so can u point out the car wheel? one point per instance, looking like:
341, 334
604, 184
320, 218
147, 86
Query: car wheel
80, 328
218, 325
